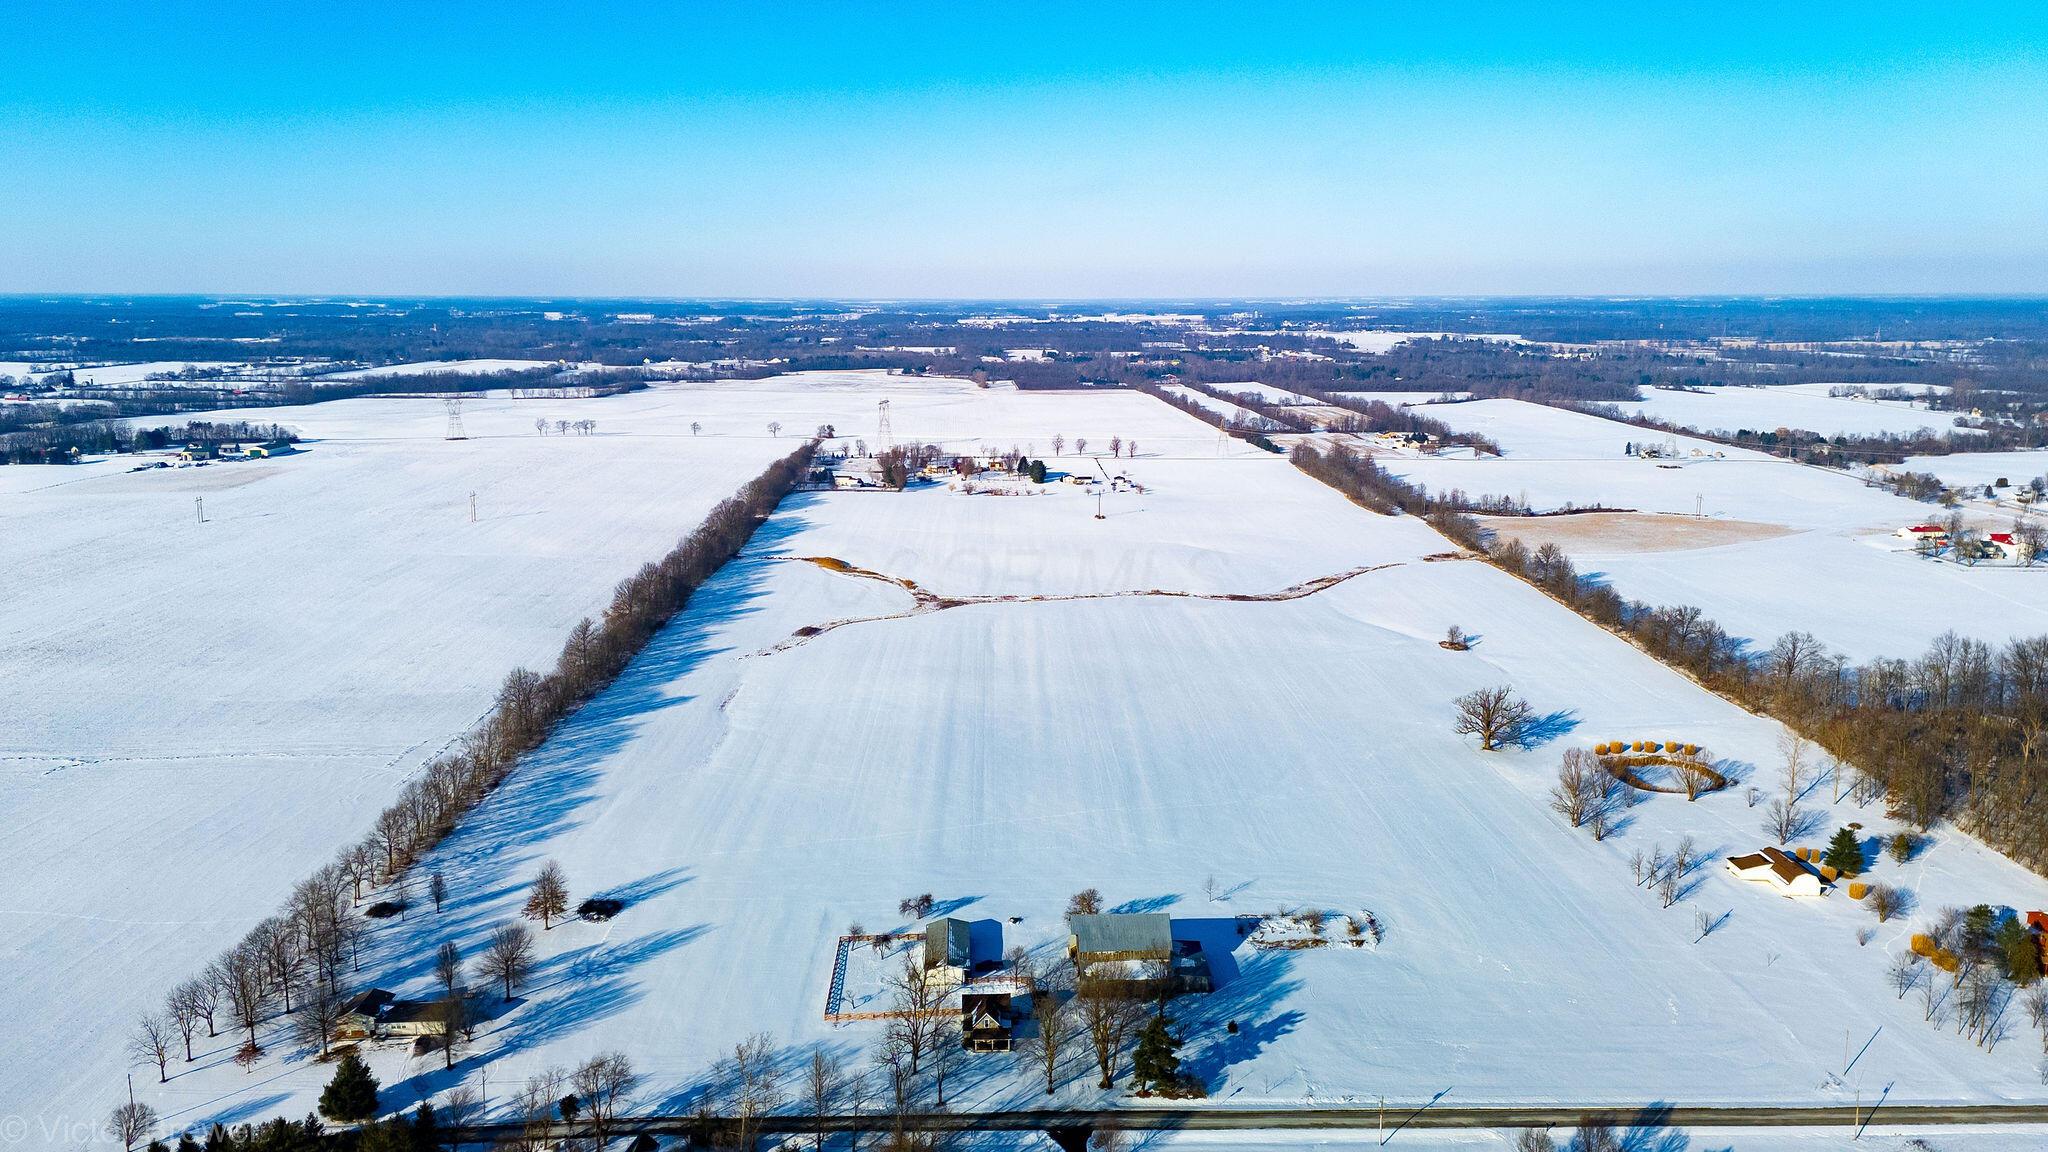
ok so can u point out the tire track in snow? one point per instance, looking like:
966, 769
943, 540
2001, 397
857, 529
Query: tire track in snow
924, 601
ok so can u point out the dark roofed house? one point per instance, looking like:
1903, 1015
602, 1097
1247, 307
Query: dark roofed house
359, 1017
985, 1021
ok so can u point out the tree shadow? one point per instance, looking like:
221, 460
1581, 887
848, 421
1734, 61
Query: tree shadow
1146, 904
1651, 1130
1540, 730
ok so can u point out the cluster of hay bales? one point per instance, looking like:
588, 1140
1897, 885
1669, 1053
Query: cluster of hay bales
1650, 747
1942, 958
1858, 889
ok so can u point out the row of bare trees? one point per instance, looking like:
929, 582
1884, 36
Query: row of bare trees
294, 962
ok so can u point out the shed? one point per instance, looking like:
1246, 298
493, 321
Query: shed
1104, 936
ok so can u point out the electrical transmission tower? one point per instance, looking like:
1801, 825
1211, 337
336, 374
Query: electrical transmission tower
455, 431
885, 436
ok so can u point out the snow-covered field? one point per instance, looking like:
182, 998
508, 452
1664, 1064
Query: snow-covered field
1729, 409
1237, 413
199, 714
751, 792
1264, 392
1979, 468
1840, 574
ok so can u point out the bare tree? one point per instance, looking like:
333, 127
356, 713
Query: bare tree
535, 1106
1783, 820
1116, 446
448, 967
695, 427
1796, 751
244, 986
131, 1122
1051, 1011
437, 890
548, 898
917, 1008
1081, 445
187, 1007
1595, 1134
1059, 443
1086, 902
602, 1083
775, 427
947, 1050
451, 1014
756, 1081
318, 1014
1495, 715
1110, 1018
821, 1090
151, 1043
1905, 974
1534, 1140
461, 1107
1579, 789
1885, 901
508, 959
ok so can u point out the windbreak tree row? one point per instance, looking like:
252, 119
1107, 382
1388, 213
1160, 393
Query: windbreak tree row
297, 962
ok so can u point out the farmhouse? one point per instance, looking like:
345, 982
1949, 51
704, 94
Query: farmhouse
358, 1019
1771, 866
376, 1013
985, 1021
1919, 532
2006, 545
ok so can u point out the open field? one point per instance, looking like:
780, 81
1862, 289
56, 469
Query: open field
750, 799
1605, 532
216, 707
1729, 409
1830, 567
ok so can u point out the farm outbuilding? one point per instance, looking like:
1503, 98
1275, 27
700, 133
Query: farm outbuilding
1771, 866
948, 952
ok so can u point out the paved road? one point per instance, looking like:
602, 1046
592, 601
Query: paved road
1394, 1118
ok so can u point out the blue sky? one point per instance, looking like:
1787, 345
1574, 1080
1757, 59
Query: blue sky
968, 149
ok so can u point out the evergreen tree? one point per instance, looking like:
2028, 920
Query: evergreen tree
426, 1129
1038, 471
2022, 952
186, 1143
1844, 854
218, 1140
352, 1094
1156, 1063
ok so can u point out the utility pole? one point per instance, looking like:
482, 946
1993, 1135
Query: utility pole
472, 507
199, 505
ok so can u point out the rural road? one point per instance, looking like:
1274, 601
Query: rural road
1395, 1118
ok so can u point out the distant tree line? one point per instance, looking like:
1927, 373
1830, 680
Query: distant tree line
107, 437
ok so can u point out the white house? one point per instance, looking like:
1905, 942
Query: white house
1771, 866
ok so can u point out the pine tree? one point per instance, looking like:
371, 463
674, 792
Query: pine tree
352, 1094
2022, 952
426, 1129
1156, 1063
1038, 471
1844, 854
